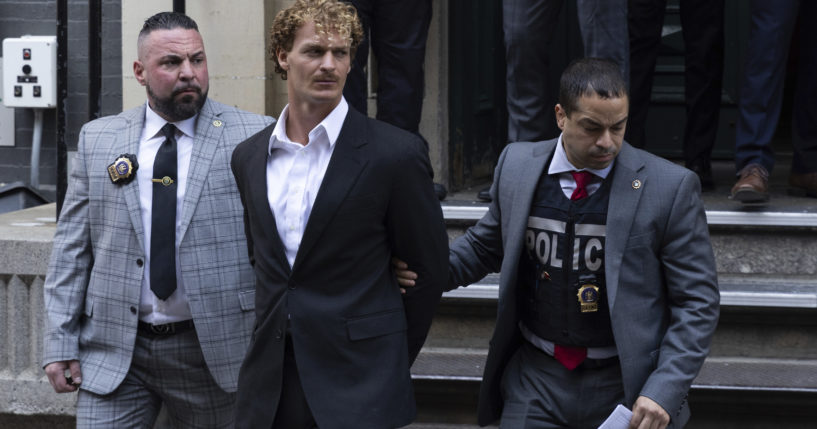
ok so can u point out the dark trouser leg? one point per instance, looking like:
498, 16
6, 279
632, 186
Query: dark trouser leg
355, 89
528, 28
293, 410
702, 24
603, 24
805, 97
761, 91
645, 19
399, 34
539, 392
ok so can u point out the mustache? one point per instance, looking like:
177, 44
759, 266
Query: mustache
324, 77
185, 88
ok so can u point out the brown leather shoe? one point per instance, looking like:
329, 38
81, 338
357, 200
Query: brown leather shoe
807, 181
753, 185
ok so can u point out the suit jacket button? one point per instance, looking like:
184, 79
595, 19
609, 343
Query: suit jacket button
140, 262
133, 310
279, 334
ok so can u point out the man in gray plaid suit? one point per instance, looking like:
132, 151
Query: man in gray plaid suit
149, 293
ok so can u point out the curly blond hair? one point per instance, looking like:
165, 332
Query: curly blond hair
329, 16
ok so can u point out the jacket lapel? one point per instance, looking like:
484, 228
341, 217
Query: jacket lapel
531, 167
625, 194
342, 172
135, 119
209, 129
257, 192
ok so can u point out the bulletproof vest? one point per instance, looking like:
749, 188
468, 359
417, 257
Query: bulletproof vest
561, 272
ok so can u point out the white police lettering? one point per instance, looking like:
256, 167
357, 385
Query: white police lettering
593, 264
542, 242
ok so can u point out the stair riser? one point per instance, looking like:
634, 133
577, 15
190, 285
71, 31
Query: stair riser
455, 402
742, 332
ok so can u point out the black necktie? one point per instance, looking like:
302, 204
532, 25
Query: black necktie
163, 227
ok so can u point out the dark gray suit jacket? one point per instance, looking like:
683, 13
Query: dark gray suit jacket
659, 265
354, 335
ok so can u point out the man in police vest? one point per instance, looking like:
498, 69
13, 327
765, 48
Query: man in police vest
608, 293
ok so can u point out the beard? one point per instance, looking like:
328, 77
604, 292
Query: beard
178, 110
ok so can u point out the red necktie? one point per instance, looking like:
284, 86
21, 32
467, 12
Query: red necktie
582, 179
571, 357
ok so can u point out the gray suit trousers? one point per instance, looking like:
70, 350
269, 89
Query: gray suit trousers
531, 84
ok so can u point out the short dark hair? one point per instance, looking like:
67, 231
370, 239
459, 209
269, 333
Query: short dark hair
167, 21
588, 76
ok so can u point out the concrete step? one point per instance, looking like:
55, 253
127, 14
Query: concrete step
729, 392
761, 372
718, 373
737, 290
453, 404
802, 214
778, 240
445, 426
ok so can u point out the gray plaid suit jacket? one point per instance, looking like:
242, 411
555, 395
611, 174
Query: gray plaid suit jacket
92, 288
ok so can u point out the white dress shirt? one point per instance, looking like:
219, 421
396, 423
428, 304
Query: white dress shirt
295, 173
561, 166
151, 308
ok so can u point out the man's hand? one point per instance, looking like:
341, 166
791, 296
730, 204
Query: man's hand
60, 380
647, 414
405, 278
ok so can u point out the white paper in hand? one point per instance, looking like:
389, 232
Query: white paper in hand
619, 419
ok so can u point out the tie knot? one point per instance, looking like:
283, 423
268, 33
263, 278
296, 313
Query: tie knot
582, 178
169, 130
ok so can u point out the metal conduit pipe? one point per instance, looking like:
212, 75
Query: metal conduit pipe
36, 143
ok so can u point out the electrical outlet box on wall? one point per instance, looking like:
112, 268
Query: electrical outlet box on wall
30, 71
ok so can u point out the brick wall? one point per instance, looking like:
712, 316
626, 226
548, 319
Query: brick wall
39, 17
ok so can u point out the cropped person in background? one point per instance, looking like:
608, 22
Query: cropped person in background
761, 98
397, 31
528, 27
702, 27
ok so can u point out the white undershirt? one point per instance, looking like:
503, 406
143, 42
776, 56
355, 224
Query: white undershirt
295, 173
175, 308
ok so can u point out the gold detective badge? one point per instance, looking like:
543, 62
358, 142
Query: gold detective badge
122, 170
589, 298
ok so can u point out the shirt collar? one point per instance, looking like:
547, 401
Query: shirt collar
331, 125
154, 123
559, 164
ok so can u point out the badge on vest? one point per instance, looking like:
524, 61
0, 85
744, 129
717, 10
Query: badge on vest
122, 170
588, 298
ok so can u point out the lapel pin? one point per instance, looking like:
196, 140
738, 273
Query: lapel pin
123, 168
217, 123
636, 184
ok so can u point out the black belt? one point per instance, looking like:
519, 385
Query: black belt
167, 328
599, 363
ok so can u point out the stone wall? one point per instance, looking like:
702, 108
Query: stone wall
25, 245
